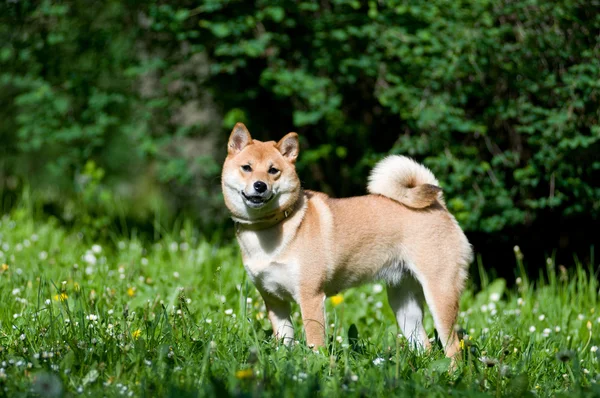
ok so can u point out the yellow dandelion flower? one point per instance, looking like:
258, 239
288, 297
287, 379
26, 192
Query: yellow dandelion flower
337, 300
244, 374
130, 292
61, 297
462, 344
136, 334
5, 267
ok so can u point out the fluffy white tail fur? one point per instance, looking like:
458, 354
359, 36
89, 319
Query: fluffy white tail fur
406, 181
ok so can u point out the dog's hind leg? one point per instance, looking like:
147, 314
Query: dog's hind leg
442, 294
406, 299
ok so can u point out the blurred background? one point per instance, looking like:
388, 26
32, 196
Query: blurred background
114, 114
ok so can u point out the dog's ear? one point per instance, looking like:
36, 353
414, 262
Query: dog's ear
239, 139
289, 146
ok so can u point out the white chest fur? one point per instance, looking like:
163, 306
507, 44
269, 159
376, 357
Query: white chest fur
276, 279
269, 268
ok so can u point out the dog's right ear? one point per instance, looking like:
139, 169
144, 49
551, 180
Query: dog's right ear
239, 139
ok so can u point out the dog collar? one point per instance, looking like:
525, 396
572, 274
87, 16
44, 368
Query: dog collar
262, 223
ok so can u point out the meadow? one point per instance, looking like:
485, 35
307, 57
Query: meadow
177, 317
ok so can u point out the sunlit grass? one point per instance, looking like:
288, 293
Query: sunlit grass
177, 317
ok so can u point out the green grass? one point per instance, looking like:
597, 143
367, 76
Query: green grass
177, 317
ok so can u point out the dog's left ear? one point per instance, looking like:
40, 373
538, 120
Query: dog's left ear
289, 147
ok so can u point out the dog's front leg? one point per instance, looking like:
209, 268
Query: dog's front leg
279, 314
313, 316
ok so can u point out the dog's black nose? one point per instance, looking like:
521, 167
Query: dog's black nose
260, 186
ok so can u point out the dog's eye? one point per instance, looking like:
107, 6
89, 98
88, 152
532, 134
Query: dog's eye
247, 168
273, 170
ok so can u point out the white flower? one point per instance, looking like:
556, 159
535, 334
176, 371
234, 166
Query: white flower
90, 258
520, 301
532, 329
16, 291
377, 288
176, 274
378, 361
47, 301
339, 339
173, 246
208, 320
22, 337
43, 255
354, 377
495, 296
248, 300
378, 304
144, 261
594, 348
229, 311
542, 317
484, 308
580, 317
557, 329
546, 332
96, 249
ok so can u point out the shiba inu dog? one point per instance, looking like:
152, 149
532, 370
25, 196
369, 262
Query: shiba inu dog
299, 245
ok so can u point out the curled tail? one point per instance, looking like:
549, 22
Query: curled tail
406, 181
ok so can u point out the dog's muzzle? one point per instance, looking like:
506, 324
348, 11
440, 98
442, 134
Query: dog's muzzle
256, 201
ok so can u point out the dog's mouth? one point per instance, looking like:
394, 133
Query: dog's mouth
256, 201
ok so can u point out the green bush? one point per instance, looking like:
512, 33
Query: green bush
83, 86
499, 99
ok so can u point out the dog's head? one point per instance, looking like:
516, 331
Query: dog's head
259, 178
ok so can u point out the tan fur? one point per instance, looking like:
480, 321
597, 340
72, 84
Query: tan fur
303, 246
